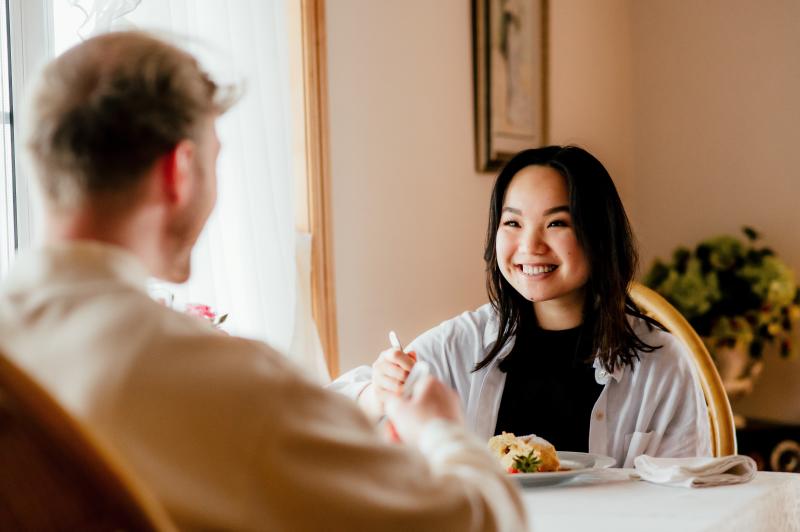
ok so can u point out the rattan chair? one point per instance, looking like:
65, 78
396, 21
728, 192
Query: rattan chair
55, 474
723, 435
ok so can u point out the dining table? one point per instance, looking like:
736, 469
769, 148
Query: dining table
616, 500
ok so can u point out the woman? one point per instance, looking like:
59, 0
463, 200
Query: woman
561, 351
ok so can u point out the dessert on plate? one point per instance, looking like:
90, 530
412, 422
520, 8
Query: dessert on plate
524, 454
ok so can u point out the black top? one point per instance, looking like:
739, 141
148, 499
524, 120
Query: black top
550, 388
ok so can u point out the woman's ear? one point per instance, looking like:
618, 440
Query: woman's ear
176, 172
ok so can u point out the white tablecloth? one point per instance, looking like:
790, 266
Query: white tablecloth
610, 500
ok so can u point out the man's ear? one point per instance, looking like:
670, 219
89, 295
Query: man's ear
176, 172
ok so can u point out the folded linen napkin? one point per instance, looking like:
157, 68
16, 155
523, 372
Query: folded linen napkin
696, 472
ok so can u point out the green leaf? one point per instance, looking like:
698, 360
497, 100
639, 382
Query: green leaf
527, 463
751, 234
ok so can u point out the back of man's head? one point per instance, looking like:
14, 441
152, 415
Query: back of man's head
106, 110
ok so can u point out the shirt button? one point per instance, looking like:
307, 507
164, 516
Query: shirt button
599, 416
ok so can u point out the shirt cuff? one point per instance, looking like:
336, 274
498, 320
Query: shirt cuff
441, 438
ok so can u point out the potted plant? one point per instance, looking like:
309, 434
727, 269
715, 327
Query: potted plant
740, 297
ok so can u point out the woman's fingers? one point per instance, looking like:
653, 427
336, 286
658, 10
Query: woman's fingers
390, 371
399, 358
388, 384
392, 365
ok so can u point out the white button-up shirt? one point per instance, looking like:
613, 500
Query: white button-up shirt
658, 408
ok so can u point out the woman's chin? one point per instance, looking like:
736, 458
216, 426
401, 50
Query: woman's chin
537, 296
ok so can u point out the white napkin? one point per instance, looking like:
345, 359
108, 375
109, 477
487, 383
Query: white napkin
696, 472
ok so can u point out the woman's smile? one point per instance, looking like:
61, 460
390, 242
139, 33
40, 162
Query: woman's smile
539, 271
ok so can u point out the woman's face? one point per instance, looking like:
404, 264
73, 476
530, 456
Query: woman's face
537, 250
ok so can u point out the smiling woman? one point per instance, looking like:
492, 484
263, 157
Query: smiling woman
561, 351
537, 250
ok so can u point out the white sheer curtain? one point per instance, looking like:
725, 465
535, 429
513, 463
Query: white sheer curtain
246, 262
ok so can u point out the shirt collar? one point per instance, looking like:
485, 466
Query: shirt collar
602, 375
492, 329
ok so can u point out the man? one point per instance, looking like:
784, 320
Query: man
224, 431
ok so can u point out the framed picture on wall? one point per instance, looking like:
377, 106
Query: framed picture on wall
509, 56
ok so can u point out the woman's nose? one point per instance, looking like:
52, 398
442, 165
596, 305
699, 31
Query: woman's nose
534, 242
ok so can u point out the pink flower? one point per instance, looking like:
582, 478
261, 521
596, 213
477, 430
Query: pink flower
201, 311
205, 312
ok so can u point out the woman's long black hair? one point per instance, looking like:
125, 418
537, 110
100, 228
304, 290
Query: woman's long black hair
604, 233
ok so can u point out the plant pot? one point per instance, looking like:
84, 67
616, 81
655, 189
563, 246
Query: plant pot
738, 372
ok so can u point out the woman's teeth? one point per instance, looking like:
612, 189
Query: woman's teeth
528, 269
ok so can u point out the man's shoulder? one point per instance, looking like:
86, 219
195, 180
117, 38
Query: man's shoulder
184, 339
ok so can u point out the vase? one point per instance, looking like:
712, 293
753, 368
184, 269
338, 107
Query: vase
738, 372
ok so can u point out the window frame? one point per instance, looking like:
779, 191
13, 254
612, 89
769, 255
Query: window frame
318, 183
34, 20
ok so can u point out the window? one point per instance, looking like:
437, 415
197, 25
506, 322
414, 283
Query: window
8, 233
266, 239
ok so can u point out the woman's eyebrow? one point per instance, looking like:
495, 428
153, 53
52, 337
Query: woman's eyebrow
512, 210
553, 210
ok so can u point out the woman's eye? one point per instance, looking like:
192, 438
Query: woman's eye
511, 223
558, 223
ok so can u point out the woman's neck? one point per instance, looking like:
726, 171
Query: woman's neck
560, 314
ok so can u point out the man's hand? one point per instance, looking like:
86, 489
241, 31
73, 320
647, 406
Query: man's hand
432, 400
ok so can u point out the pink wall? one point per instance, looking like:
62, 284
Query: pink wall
717, 124
408, 206
590, 83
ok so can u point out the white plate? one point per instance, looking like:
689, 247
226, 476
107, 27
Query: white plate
577, 463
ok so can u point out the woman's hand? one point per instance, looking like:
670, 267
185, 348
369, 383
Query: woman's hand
389, 373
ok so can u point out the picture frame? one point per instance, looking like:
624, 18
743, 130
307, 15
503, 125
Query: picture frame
510, 78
